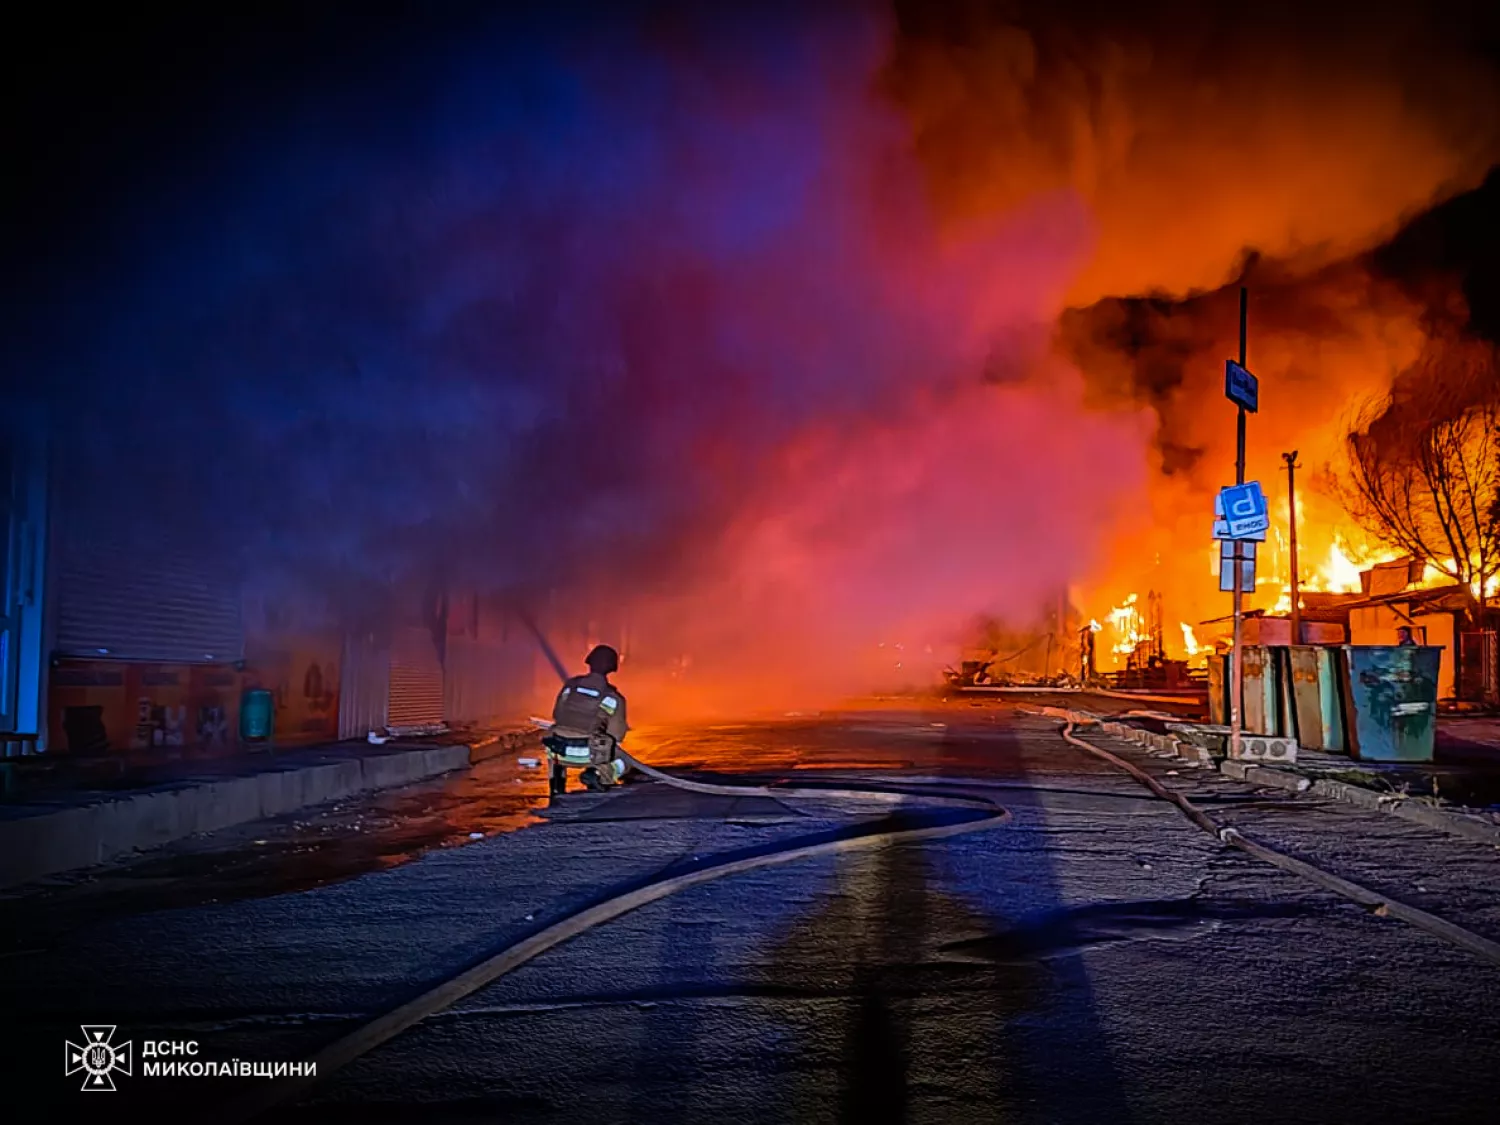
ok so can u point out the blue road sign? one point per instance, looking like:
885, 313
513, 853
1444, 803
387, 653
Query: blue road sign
1241, 387
1221, 531
1243, 507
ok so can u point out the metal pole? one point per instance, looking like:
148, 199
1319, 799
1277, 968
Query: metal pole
1291, 500
1236, 674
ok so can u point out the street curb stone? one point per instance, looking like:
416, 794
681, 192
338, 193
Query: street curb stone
34, 845
1453, 823
1249, 770
1264, 775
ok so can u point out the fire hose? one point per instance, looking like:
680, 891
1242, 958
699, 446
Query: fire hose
454, 988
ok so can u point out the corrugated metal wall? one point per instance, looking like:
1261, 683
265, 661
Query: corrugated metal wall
416, 694
492, 665
127, 593
489, 682
364, 687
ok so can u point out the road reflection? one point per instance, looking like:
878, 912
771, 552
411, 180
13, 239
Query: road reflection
295, 853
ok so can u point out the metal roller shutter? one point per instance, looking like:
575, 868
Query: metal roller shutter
416, 681
127, 594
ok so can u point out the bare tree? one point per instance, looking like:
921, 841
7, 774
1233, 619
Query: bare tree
1424, 465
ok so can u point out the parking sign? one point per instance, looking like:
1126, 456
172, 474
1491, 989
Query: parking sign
1243, 508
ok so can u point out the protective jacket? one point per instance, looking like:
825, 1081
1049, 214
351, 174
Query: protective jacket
589, 705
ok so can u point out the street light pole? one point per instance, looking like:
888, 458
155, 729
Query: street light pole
1291, 500
1236, 674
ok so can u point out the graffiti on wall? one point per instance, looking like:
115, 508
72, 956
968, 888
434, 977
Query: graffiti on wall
106, 707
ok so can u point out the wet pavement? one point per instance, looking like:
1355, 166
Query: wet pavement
1098, 959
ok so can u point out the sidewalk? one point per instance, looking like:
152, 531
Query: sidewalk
1470, 741
1458, 792
57, 829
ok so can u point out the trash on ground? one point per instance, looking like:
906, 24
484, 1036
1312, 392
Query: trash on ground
476, 835
529, 763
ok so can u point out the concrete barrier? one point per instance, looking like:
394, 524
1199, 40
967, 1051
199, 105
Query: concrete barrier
39, 841
1266, 748
1264, 775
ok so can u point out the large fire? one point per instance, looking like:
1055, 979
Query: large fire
1332, 563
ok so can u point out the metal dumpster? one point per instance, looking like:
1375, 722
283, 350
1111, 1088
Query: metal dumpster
1306, 708
1260, 691
1218, 690
1331, 700
1390, 701
1286, 701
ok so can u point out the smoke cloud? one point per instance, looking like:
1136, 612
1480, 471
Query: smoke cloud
1278, 147
1198, 133
654, 316
750, 328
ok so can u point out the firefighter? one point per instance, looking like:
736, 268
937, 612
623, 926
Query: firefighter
588, 726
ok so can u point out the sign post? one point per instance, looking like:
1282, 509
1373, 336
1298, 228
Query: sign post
1242, 389
1291, 503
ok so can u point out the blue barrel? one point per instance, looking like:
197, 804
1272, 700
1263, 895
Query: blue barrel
1391, 700
257, 715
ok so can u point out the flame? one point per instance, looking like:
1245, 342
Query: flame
1439, 574
1126, 621
1339, 571
1190, 641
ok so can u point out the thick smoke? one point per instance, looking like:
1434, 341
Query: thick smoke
736, 326
655, 313
1198, 132
1275, 146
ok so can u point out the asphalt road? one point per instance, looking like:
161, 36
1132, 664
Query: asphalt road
1098, 959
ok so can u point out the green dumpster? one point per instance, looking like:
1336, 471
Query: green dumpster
1390, 699
257, 716
1330, 700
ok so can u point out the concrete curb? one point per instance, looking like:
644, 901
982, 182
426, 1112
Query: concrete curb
1456, 824
1194, 756
506, 742
51, 842
1264, 775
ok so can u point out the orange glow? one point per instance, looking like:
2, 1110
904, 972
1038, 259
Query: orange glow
1090, 455
1141, 120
